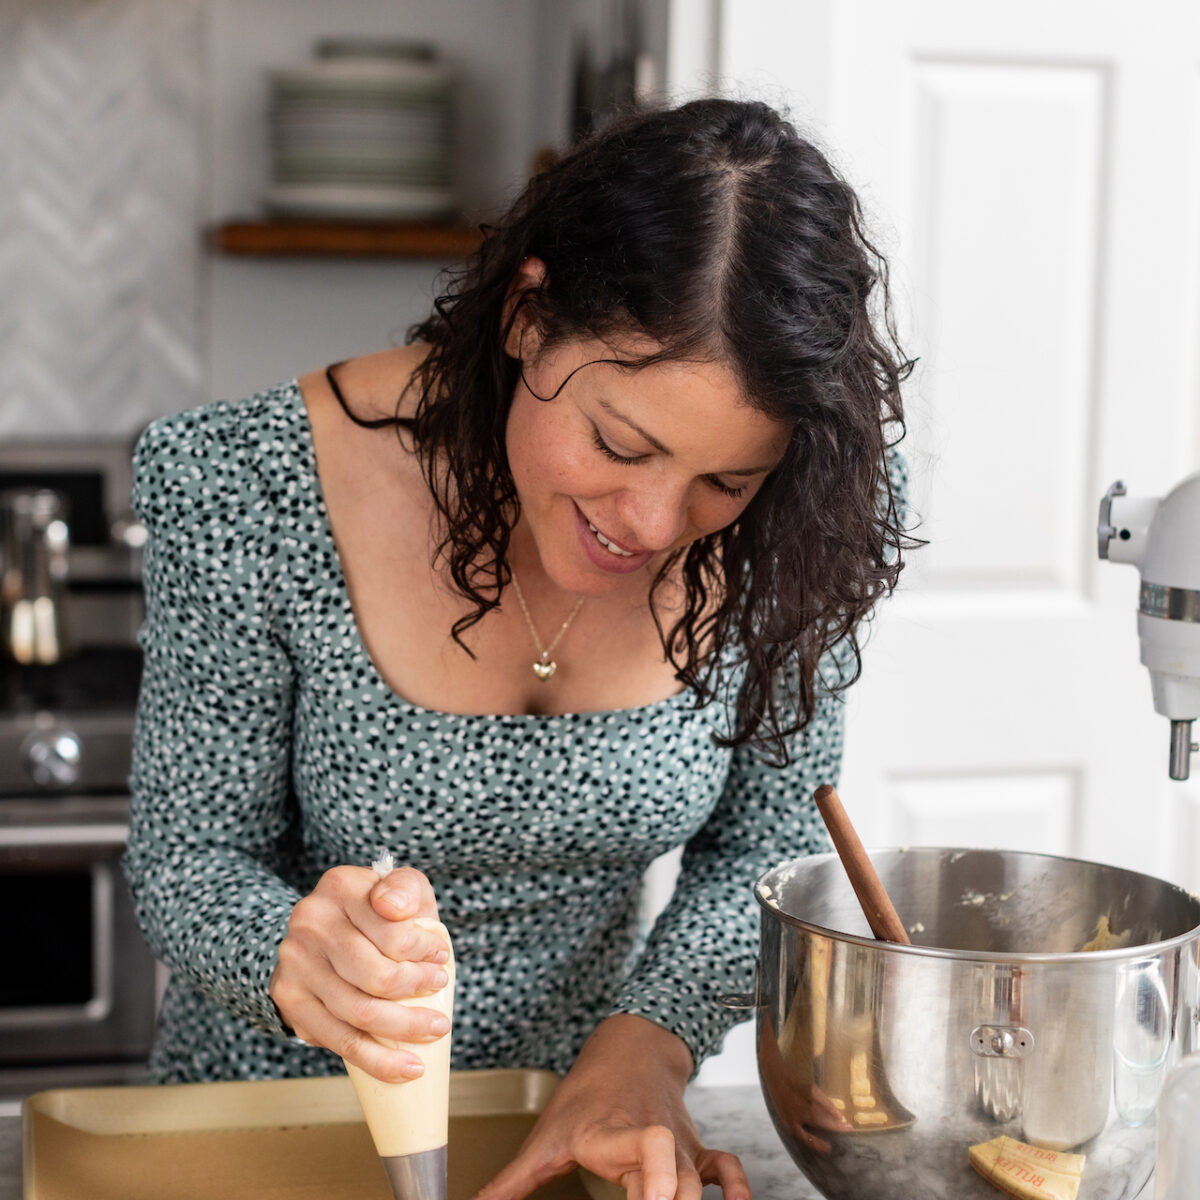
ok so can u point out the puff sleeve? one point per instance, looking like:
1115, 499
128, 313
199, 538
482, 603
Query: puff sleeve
211, 764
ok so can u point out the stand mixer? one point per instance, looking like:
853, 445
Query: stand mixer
1161, 537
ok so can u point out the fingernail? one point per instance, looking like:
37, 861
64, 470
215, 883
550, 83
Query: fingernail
439, 1025
441, 956
414, 1070
440, 979
398, 902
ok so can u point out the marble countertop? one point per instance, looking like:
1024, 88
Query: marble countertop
728, 1118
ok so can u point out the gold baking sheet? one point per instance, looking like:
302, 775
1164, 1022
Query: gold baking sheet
289, 1139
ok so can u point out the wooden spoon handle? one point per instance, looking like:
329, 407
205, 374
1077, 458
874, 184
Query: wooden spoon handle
868, 887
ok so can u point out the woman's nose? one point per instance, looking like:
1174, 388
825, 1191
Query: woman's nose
656, 515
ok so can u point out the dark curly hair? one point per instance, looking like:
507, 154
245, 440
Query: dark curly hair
722, 235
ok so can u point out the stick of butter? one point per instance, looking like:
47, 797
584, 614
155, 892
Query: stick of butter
1027, 1172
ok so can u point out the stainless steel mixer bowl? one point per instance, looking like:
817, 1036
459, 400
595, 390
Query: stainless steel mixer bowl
881, 1064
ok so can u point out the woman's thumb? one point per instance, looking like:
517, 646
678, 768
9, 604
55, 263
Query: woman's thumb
402, 894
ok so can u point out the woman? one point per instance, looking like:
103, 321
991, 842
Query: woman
587, 591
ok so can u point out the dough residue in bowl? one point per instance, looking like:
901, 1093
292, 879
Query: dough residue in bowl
1105, 939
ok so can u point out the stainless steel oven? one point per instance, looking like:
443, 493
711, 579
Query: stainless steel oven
77, 989
78, 985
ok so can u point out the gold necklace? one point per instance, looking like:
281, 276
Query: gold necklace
545, 666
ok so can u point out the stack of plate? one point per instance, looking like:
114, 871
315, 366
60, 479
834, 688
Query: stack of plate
365, 132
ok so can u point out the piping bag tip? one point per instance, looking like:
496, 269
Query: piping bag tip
420, 1176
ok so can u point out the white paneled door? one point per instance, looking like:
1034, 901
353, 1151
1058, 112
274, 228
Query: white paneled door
1034, 172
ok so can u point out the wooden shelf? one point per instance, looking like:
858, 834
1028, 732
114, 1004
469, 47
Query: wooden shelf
345, 239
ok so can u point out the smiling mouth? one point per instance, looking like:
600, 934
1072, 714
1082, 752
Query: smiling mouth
610, 546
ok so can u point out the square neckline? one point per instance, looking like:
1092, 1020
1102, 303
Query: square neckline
304, 423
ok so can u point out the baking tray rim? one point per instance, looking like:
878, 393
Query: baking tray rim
268, 1103
271, 1104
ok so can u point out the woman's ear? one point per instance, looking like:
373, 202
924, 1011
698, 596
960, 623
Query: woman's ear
523, 337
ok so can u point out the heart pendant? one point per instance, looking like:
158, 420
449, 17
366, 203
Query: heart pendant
543, 670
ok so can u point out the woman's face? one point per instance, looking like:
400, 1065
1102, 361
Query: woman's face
625, 465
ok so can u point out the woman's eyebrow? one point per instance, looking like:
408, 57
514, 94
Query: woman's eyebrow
620, 416
750, 471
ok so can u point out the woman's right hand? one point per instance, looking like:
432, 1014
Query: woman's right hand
354, 944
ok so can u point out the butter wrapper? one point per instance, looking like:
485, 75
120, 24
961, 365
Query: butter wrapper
1027, 1172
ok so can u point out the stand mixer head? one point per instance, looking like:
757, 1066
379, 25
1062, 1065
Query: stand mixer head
1161, 537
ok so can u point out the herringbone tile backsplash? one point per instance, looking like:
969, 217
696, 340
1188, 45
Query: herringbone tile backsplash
100, 178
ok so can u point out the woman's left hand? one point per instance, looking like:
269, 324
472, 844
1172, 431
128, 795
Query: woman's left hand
620, 1114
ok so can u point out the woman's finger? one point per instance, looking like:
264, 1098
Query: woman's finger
361, 1049
721, 1167
413, 941
402, 894
363, 948
525, 1174
376, 1017
345, 895
316, 1026
641, 1160
416, 938
688, 1184
660, 1178
394, 972
647, 1152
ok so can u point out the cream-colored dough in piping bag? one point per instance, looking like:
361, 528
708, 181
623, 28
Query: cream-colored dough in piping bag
409, 1121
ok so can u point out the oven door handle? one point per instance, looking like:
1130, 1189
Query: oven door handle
114, 834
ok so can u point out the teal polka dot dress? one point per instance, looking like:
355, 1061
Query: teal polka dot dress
268, 749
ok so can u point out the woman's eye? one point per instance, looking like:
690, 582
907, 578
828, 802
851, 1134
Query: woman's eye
609, 452
725, 489
628, 460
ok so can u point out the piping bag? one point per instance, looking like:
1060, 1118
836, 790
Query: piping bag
409, 1121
